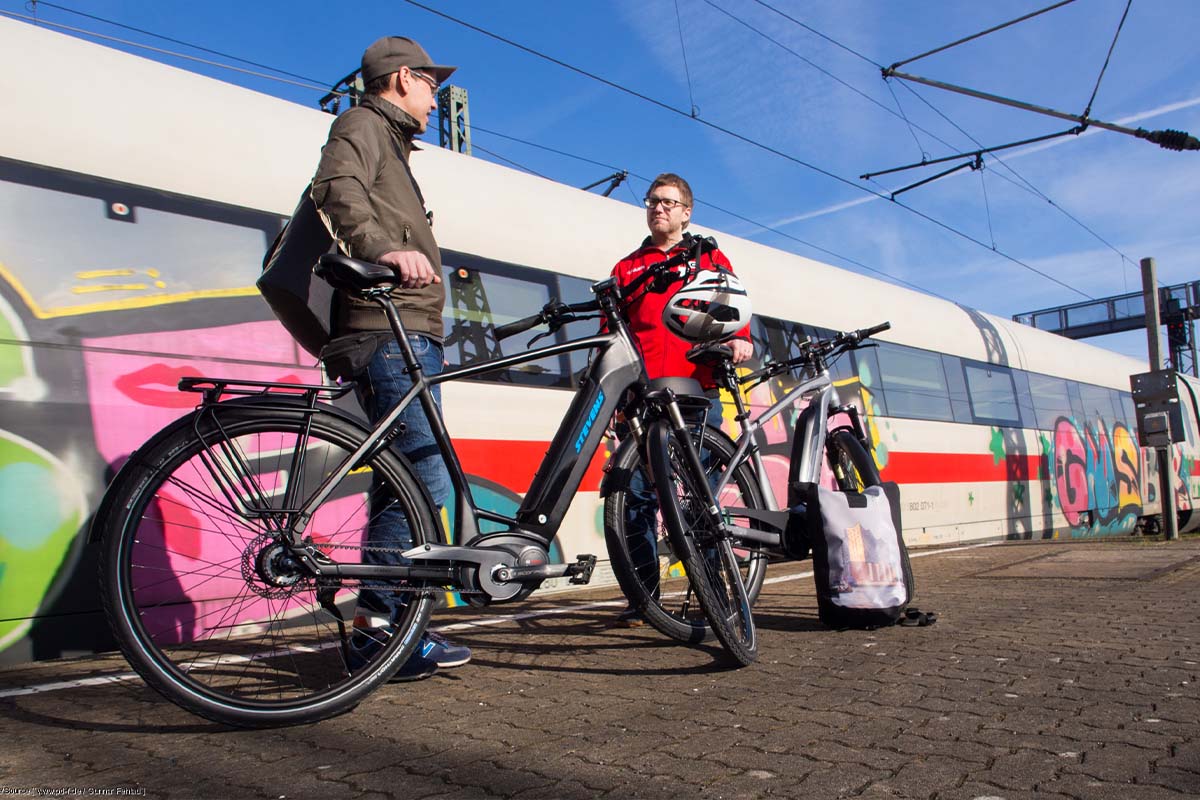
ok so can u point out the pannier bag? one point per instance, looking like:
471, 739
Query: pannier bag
860, 562
302, 302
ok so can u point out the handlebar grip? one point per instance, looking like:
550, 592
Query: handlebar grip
874, 329
585, 308
519, 326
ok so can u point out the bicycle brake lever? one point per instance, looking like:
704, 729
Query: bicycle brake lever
541, 335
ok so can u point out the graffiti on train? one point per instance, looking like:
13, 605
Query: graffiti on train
1096, 476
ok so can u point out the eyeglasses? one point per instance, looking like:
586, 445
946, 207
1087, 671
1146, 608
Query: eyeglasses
433, 85
667, 203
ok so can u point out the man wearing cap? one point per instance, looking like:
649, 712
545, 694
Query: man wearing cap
369, 199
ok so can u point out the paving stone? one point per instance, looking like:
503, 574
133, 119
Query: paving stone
1026, 688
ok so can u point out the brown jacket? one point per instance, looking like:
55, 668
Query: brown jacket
363, 191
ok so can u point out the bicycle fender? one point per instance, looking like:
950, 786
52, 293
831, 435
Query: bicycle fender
615, 475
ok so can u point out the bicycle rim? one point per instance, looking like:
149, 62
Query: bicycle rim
204, 604
706, 552
650, 573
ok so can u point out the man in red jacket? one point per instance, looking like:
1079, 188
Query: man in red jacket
668, 213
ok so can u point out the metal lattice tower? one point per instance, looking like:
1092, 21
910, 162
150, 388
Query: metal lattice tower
454, 119
471, 330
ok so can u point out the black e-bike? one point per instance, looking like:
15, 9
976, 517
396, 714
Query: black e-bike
236, 541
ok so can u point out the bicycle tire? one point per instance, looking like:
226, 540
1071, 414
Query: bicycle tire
704, 549
657, 589
184, 569
853, 467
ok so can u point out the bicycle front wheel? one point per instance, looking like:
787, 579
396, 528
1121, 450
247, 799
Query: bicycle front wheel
700, 542
646, 566
202, 596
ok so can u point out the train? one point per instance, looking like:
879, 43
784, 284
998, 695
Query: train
131, 236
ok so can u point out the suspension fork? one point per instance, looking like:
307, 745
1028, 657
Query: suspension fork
692, 459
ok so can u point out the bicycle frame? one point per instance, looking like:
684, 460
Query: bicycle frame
808, 445
616, 368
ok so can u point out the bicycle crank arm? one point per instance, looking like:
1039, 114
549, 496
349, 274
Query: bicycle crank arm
580, 571
775, 520
748, 535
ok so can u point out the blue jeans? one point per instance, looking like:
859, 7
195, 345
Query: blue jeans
385, 384
641, 515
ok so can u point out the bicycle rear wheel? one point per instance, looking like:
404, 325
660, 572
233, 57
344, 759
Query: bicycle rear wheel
702, 546
203, 599
645, 564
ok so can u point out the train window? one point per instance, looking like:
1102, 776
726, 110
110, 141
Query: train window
960, 403
1100, 403
866, 364
1077, 409
1024, 399
76, 246
914, 382
576, 290
993, 398
1051, 399
775, 339
1128, 413
482, 294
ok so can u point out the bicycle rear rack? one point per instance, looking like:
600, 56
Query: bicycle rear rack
214, 389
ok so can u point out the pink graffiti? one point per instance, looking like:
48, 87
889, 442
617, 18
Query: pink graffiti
1070, 471
132, 391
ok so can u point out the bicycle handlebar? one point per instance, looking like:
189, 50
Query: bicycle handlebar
519, 326
700, 245
553, 313
809, 351
557, 314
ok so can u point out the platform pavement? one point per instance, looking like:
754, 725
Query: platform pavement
1034, 683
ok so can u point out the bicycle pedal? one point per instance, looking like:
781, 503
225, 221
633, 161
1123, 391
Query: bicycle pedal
581, 570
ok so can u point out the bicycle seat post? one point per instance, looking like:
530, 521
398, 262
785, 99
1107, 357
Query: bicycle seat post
412, 366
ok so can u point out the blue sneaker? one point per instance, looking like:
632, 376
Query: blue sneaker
438, 649
369, 637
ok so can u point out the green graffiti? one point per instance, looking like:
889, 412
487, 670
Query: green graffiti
864, 374
41, 511
997, 445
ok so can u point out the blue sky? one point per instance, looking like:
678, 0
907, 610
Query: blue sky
1081, 209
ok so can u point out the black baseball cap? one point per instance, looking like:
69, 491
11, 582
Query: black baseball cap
389, 54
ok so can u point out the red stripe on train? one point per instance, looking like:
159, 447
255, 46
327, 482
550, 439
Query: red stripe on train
959, 468
512, 464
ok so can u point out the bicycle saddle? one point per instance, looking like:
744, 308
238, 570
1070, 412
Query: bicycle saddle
352, 275
710, 354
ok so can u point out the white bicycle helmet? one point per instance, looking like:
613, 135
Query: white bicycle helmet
712, 306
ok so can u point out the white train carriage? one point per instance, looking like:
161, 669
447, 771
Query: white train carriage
131, 233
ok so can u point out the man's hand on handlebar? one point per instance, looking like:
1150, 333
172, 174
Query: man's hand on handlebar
412, 266
742, 349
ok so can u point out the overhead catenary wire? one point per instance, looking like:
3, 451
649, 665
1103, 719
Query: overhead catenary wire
172, 53
885, 193
735, 215
935, 221
317, 85
35, 3
981, 34
899, 114
743, 138
687, 72
1088, 109
1008, 167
